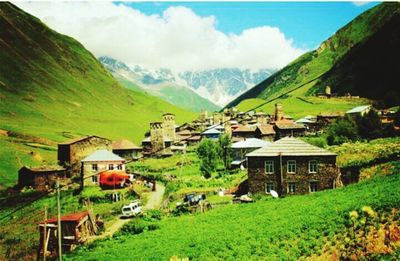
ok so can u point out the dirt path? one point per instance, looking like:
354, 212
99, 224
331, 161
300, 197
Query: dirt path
155, 198
154, 202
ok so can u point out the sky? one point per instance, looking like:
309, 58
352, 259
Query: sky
198, 35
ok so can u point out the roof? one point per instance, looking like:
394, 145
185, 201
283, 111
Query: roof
216, 126
74, 217
245, 128
266, 129
124, 145
359, 109
290, 146
304, 120
288, 125
44, 168
211, 131
166, 139
103, 155
184, 133
194, 138
250, 143
68, 142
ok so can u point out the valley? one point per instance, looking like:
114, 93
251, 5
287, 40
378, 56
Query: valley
301, 163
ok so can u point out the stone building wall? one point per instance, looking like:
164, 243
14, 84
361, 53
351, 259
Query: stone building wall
325, 177
169, 125
70, 155
157, 136
278, 112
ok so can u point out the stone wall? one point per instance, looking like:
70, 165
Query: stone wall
156, 136
326, 175
169, 125
88, 170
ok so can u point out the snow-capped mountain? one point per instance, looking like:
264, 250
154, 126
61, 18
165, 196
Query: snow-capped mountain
218, 85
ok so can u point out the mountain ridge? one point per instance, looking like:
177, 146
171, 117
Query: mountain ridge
314, 64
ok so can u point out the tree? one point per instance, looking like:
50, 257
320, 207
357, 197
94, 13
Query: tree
369, 125
207, 151
225, 150
341, 131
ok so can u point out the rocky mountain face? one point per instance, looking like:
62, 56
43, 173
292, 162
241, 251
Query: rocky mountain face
218, 85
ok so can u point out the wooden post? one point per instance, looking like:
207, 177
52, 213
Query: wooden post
45, 233
59, 221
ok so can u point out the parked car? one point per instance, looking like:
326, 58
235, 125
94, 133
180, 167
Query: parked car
131, 210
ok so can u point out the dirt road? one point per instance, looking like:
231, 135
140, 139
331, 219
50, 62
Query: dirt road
154, 202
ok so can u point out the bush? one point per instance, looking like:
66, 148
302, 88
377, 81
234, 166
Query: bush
136, 226
341, 131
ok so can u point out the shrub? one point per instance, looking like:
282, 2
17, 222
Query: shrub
136, 226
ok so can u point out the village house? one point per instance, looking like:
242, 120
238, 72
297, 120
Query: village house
291, 166
359, 111
211, 133
241, 148
265, 132
76, 229
71, 152
97, 162
127, 149
42, 178
285, 127
244, 132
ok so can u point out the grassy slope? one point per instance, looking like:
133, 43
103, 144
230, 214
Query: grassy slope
50, 84
305, 70
177, 95
278, 229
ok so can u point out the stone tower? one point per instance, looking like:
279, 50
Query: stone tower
216, 118
157, 136
328, 91
228, 128
169, 125
278, 112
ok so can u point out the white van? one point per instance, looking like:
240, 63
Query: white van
131, 210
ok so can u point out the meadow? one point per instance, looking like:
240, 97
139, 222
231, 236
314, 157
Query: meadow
286, 228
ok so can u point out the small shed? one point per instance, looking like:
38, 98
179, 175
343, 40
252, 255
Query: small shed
127, 149
76, 228
42, 178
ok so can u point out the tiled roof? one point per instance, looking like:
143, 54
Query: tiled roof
124, 145
290, 146
250, 143
74, 217
103, 155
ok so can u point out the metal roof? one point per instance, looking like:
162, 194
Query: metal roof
211, 131
250, 143
290, 146
103, 155
359, 109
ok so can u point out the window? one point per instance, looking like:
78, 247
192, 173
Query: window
313, 186
291, 187
94, 179
119, 166
291, 166
312, 166
269, 166
269, 186
110, 167
94, 167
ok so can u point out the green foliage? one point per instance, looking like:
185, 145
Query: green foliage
136, 226
207, 152
225, 150
341, 131
287, 228
369, 125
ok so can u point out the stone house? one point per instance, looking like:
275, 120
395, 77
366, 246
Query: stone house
359, 111
127, 149
291, 166
98, 162
71, 152
244, 132
265, 132
241, 148
285, 128
42, 178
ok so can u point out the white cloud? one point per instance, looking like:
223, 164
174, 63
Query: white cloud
361, 3
179, 39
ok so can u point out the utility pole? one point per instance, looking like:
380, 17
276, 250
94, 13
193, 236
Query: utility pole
45, 233
59, 221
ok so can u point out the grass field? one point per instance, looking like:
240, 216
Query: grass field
287, 228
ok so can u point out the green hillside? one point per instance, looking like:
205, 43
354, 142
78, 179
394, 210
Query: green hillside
52, 89
280, 229
177, 95
302, 75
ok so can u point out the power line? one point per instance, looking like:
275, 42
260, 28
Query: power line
159, 150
